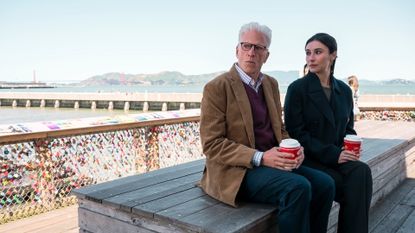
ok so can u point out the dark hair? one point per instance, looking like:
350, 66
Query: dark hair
328, 41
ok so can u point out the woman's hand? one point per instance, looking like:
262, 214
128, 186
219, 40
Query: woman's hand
347, 155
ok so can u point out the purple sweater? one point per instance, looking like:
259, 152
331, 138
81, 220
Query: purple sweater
264, 135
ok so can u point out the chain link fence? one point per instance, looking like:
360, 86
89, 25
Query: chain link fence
38, 176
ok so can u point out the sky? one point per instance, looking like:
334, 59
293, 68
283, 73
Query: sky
73, 40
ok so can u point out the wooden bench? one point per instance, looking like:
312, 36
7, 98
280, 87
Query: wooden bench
167, 200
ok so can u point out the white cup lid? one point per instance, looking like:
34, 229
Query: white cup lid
289, 143
353, 138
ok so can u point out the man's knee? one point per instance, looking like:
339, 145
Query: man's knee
300, 187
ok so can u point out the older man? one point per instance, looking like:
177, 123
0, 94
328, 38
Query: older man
241, 128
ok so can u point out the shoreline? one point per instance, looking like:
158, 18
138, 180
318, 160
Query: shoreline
373, 107
85, 122
388, 115
168, 96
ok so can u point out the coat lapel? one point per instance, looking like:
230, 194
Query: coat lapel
319, 99
244, 105
273, 113
336, 100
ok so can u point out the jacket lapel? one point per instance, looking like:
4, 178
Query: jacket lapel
319, 99
273, 113
243, 103
336, 100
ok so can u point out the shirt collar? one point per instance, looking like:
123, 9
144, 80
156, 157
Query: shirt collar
248, 80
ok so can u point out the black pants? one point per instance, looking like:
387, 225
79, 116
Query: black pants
304, 196
353, 192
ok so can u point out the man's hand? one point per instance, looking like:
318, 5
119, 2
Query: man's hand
281, 160
300, 157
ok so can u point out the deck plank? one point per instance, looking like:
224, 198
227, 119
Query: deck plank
60, 220
380, 214
409, 225
410, 198
393, 221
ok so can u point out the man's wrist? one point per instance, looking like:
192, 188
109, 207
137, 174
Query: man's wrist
257, 158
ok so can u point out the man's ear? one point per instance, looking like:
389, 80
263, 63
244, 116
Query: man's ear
266, 58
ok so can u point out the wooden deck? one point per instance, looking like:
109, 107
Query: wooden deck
393, 213
63, 220
396, 213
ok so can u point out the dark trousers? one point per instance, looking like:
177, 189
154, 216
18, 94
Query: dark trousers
304, 196
353, 192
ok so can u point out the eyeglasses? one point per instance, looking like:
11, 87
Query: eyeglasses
248, 46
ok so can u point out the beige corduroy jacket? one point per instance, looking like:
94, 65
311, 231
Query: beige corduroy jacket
227, 134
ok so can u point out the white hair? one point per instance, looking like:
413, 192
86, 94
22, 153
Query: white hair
254, 26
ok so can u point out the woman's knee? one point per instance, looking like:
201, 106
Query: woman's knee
362, 170
329, 185
325, 184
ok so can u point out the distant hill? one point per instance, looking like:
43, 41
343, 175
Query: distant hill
172, 78
398, 82
366, 82
162, 78
177, 78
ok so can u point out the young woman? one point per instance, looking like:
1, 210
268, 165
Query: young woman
318, 112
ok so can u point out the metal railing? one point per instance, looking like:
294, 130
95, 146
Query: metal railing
38, 170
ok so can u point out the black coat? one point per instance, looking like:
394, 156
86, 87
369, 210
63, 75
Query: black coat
317, 123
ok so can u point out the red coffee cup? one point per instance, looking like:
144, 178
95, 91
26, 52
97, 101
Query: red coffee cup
353, 143
291, 146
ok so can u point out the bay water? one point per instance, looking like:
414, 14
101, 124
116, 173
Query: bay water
9, 115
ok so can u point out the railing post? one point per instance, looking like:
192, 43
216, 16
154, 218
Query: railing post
152, 150
56, 103
140, 142
42, 103
44, 184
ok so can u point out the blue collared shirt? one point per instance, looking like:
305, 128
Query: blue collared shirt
256, 159
248, 80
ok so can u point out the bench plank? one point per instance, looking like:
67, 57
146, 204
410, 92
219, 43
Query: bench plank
185, 209
115, 187
222, 218
127, 200
381, 148
92, 222
167, 202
